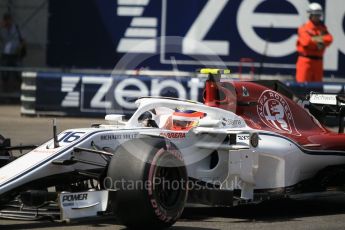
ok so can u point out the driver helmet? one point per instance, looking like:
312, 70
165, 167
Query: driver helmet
185, 119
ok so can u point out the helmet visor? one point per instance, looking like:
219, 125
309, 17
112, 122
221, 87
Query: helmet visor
184, 123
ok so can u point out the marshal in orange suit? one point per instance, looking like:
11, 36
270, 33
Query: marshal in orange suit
313, 39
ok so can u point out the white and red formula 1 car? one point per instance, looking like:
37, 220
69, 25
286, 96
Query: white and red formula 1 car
248, 142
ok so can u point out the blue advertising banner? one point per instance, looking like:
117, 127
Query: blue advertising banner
95, 95
166, 34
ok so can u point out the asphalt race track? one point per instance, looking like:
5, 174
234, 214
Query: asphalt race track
325, 213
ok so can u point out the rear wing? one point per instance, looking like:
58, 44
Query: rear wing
322, 105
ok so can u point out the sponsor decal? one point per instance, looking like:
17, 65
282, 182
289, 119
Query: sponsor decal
68, 200
74, 197
68, 204
324, 99
243, 137
275, 112
173, 135
45, 150
231, 122
125, 136
245, 92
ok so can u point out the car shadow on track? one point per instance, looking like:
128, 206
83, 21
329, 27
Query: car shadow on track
270, 211
16, 225
107, 223
92, 223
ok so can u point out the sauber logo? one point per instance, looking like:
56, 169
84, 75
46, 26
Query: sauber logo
275, 112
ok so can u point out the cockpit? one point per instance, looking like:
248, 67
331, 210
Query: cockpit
178, 119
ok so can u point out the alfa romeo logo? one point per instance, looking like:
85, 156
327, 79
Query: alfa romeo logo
275, 112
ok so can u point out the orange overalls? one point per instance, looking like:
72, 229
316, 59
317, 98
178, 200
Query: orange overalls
309, 65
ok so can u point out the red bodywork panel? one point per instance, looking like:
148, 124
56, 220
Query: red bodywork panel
265, 109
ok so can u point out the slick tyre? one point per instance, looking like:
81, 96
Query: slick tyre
150, 180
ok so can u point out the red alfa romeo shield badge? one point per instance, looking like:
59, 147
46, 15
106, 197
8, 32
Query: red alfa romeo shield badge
275, 112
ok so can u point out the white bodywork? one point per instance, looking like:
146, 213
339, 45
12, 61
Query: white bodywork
277, 162
82, 204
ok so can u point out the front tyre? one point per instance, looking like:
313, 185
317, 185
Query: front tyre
150, 180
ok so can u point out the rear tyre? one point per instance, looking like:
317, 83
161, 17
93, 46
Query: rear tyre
150, 180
